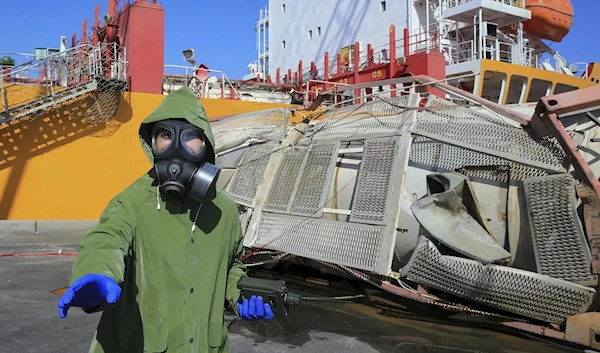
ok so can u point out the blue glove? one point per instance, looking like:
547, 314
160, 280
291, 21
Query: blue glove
255, 309
89, 291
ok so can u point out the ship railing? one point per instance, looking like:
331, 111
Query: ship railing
312, 88
516, 3
262, 67
72, 66
190, 78
422, 40
511, 53
379, 55
263, 16
19, 58
70, 69
506, 52
457, 53
579, 69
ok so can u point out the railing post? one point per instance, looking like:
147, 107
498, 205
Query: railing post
326, 70
49, 77
222, 85
393, 59
4, 96
299, 74
355, 71
124, 63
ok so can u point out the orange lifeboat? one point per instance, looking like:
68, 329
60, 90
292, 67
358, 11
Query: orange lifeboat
550, 19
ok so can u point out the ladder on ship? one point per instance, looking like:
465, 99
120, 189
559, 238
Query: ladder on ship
45, 83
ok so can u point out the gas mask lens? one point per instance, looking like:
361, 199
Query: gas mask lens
192, 141
162, 139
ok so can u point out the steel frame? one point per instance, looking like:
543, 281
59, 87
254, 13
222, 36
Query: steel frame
546, 121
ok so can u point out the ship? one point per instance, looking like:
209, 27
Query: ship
436, 150
493, 49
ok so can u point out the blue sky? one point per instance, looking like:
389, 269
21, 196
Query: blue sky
221, 32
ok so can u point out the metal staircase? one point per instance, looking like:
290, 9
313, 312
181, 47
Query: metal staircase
40, 85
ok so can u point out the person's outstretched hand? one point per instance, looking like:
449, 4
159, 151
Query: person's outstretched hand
88, 291
255, 309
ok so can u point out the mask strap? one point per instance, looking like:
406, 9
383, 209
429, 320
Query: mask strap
195, 219
157, 198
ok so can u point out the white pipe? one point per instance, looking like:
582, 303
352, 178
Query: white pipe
427, 25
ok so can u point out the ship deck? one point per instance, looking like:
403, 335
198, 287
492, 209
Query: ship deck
376, 323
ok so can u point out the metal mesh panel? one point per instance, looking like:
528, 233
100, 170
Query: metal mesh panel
264, 124
282, 190
250, 173
343, 243
316, 178
257, 118
364, 124
467, 128
517, 291
440, 156
391, 106
559, 242
374, 185
230, 160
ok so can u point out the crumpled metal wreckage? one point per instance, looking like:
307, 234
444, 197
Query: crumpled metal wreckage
438, 197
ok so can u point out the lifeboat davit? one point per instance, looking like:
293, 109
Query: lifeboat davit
550, 19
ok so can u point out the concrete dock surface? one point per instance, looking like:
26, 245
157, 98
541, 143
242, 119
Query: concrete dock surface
29, 321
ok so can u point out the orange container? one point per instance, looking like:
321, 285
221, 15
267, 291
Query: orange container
550, 19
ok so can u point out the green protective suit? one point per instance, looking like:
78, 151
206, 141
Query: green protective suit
175, 282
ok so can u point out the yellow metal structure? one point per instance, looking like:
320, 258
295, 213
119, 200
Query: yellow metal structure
57, 166
518, 78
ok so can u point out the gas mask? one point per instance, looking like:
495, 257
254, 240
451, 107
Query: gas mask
179, 150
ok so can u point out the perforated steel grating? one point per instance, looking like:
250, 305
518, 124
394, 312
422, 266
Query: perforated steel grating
374, 185
465, 127
343, 243
517, 291
250, 173
558, 239
440, 156
264, 124
391, 106
257, 118
316, 178
364, 124
282, 190
230, 160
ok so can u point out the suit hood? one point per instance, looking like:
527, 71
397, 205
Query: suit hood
179, 104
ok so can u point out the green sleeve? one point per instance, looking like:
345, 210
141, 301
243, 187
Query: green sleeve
104, 247
237, 269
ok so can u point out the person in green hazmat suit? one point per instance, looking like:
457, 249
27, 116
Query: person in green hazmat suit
164, 261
